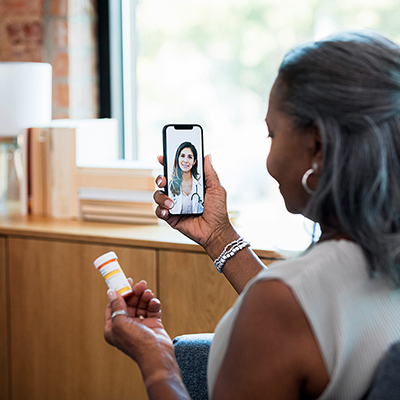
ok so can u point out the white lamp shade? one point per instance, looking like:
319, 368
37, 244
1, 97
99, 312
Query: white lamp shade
25, 96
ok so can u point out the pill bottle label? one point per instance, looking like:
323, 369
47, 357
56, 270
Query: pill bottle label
112, 273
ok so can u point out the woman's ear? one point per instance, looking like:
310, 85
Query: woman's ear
316, 146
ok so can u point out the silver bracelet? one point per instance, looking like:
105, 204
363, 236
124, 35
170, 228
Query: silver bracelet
229, 251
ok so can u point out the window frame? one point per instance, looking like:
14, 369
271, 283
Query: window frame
117, 70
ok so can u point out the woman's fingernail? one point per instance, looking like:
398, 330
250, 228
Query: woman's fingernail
164, 213
210, 157
159, 180
111, 294
169, 203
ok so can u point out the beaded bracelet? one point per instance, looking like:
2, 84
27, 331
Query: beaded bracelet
229, 251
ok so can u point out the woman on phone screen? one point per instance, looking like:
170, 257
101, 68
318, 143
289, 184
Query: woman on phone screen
185, 187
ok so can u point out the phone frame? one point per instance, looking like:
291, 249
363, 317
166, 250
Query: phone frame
181, 127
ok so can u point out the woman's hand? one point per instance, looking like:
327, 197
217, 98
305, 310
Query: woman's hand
212, 229
139, 334
137, 330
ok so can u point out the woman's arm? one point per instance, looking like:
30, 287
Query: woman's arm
212, 230
241, 268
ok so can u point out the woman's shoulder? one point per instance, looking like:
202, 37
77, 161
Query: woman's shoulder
321, 256
197, 181
322, 270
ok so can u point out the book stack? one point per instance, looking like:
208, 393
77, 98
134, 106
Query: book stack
118, 191
72, 171
49, 160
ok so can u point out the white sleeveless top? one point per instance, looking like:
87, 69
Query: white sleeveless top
355, 318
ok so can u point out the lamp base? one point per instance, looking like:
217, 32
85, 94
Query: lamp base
10, 176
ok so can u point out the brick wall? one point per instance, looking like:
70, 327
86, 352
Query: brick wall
61, 32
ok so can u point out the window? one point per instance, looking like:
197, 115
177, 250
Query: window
213, 63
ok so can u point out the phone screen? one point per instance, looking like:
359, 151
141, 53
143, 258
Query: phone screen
184, 168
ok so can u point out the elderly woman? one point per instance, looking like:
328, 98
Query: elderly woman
316, 326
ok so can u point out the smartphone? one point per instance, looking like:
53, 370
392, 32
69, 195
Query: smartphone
184, 168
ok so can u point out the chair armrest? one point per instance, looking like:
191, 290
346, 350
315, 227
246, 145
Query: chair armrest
386, 385
191, 352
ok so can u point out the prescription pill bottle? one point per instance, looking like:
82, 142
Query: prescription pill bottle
112, 273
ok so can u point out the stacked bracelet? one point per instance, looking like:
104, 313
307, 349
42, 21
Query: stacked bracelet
229, 251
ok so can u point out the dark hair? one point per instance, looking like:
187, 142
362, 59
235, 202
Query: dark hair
348, 86
176, 180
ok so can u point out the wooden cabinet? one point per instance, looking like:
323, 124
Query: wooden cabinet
194, 297
4, 326
52, 303
58, 300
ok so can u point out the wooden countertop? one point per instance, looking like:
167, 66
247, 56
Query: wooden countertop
148, 236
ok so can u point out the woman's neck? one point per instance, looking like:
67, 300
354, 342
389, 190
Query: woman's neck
328, 233
186, 176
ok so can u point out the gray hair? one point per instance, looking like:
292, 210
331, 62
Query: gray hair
348, 86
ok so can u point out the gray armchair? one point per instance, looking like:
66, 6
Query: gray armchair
192, 353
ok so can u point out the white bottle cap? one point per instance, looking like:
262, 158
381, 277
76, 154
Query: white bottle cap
98, 262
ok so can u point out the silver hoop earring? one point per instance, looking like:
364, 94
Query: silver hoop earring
306, 176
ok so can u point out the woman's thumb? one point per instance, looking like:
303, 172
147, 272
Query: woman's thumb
211, 177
